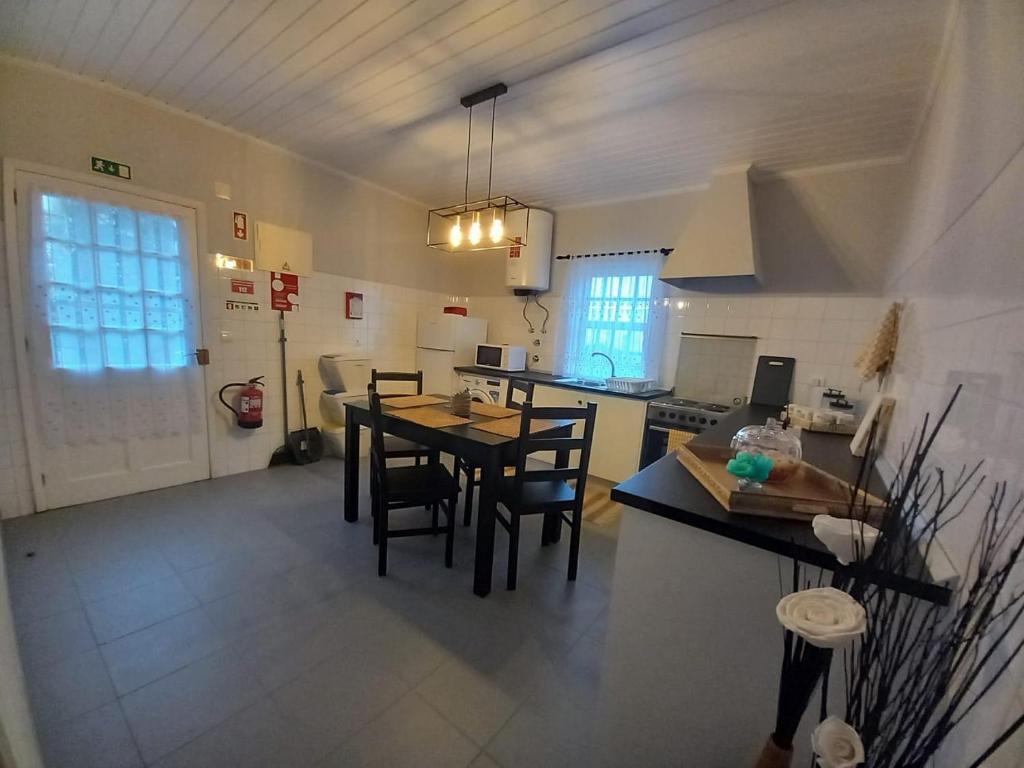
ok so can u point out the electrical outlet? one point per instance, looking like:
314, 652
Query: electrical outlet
538, 343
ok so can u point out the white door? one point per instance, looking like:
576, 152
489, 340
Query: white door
107, 284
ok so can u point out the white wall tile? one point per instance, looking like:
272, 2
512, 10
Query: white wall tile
839, 308
958, 271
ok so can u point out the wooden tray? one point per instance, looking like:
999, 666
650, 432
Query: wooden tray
811, 491
510, 427
677, 438
412, 401
494, 411
431, 417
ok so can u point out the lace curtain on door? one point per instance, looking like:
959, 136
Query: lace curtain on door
614, 304
112, 288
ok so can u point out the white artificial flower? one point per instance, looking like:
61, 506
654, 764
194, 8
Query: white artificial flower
825, 617
836, 744
849, 540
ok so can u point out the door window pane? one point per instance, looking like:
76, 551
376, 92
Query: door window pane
114, 285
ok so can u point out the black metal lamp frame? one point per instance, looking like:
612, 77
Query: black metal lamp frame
441, 220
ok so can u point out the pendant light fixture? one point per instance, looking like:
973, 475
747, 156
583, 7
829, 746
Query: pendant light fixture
479, 225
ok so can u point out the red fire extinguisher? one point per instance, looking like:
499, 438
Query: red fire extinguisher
250, 403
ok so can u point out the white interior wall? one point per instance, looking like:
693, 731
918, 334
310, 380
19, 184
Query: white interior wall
959, 270
823, 332
824, 238
365, 239
821, 232
386, 334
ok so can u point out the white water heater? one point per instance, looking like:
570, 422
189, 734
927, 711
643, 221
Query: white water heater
528, 267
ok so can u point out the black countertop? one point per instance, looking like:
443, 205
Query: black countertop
666, 488
552, 380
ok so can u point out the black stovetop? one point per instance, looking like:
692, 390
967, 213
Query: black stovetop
682, 402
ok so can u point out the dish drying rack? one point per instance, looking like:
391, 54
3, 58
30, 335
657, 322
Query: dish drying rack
628, 385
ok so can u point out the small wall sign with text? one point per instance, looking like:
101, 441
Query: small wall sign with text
241, 225
242, 306
243, 286
513, 252
112, 168
284, 291
353, 305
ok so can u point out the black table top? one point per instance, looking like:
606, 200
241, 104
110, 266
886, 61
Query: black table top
553, 380
461, 432
666, 488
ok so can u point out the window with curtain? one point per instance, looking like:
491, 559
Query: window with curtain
113, 283
613, 305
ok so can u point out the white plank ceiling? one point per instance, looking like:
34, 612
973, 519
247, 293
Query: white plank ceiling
608, 99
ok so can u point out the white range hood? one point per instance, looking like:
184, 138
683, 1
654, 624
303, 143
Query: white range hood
719, 242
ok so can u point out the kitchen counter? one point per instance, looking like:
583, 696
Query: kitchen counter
666, 488
692, 631
552, 380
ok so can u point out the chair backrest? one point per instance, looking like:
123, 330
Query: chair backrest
416, 378
378, 460
531, 443
518, 385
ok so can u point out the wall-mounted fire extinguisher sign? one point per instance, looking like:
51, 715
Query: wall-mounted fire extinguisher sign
249, 414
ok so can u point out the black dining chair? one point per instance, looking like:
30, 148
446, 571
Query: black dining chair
473, 472
398, 447
547, 491
428, 485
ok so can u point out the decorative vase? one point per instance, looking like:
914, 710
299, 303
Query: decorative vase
774, 756
461, 403
774, 441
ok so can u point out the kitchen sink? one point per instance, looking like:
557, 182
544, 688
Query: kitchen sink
591, 383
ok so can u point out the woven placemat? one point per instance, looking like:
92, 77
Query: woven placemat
412, 401
494, 411
510, 427
430, 417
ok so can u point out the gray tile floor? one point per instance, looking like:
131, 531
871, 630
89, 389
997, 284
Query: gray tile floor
240, 622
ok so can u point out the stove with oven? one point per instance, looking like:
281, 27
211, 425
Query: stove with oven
676, 414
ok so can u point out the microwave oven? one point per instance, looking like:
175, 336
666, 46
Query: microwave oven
502, 357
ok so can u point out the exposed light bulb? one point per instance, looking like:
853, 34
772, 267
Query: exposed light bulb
475, 233
455, 236
497, 230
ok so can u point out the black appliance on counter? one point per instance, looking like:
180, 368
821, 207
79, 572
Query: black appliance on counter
773, 381
675, 413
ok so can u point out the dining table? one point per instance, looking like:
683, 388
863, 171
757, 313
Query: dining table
489, 451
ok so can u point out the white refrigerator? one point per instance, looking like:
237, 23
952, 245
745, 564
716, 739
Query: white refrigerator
442, 342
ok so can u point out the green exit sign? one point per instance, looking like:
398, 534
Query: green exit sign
111, 168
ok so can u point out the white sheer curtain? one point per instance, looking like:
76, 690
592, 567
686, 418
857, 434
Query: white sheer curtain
111, 292
614, 304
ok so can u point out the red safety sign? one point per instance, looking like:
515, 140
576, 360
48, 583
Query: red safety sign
284, 291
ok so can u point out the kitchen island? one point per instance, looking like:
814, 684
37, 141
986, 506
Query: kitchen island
666, 488
693, 649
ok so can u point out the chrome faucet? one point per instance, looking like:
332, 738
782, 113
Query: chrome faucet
610, 361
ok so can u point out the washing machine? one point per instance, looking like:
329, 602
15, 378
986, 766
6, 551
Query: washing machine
484, 389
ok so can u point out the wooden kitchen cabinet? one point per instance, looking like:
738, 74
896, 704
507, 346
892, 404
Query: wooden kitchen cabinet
618, 433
